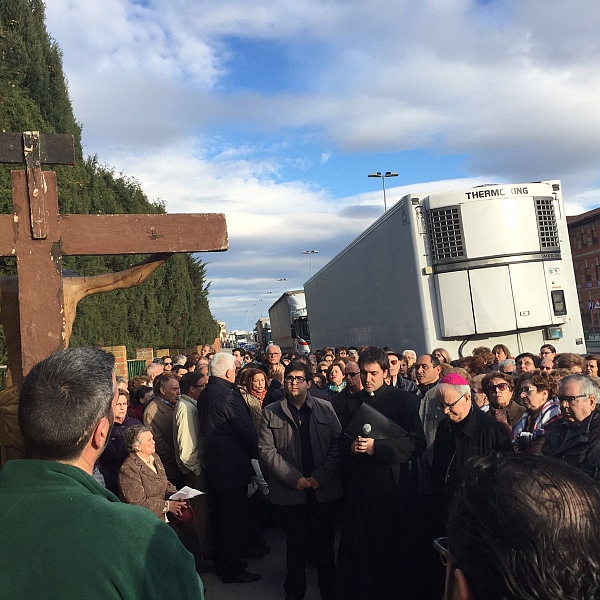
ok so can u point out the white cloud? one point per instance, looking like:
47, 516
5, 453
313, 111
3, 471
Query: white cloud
510, 85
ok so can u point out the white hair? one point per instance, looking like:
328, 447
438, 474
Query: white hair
180, 359
410, 353
154, 369
220, 363
461, 390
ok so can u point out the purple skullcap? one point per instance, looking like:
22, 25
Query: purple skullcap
454, 379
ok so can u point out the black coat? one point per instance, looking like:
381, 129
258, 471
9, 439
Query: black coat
115, 453
455, 443
408, 385
582, 449
376, 538
230, 436
275, 392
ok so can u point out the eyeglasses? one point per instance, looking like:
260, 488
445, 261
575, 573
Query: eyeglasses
292, 379
544, 352
441, 546
528, 389
497, 387
572, 399
273, 354
394, 362
167, 364
350, 374
323, 370
445, 406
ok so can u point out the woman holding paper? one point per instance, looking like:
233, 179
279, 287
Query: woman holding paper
142, 478
143, 481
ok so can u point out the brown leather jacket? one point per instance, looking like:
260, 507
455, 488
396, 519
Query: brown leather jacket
140, 485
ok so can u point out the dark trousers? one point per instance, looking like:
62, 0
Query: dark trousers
229, 520
257, 505
201, 510
310, 532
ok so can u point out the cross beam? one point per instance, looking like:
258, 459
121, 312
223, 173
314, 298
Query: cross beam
38, 236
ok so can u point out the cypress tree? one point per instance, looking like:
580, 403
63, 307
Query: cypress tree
170, 309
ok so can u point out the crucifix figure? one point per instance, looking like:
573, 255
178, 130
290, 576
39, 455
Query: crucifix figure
37, 307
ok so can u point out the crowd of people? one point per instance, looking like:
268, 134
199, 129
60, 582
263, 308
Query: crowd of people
265, 436
410, 458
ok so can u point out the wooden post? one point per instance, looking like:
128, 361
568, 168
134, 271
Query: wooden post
38, 306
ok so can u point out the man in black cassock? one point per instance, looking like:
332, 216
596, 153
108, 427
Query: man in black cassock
376, 557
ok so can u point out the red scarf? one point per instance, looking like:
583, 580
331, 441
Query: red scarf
259, 395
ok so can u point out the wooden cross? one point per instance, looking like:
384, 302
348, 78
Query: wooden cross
38, 236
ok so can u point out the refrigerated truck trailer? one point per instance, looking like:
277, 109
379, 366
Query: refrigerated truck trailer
289, 323
458, 269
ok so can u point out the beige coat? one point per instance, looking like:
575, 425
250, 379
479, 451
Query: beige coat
187, 437
141, 486
254, 406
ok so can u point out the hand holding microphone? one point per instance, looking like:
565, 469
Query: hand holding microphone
364, 444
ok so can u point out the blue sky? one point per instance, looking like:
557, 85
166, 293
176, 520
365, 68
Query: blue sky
277, 110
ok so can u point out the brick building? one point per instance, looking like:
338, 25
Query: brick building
584, 232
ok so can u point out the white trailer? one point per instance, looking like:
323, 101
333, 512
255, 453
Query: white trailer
289, 324
458, 269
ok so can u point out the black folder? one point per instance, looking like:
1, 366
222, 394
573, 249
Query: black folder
382, 428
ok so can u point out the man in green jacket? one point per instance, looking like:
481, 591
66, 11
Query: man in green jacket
62, 535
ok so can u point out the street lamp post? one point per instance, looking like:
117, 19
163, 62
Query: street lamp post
310, 253
283, 280
383, 178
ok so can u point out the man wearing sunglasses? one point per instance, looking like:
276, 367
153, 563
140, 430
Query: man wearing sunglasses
298, 442
396, 380
353, 386
576, 437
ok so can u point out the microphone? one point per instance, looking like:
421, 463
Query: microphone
366, 430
